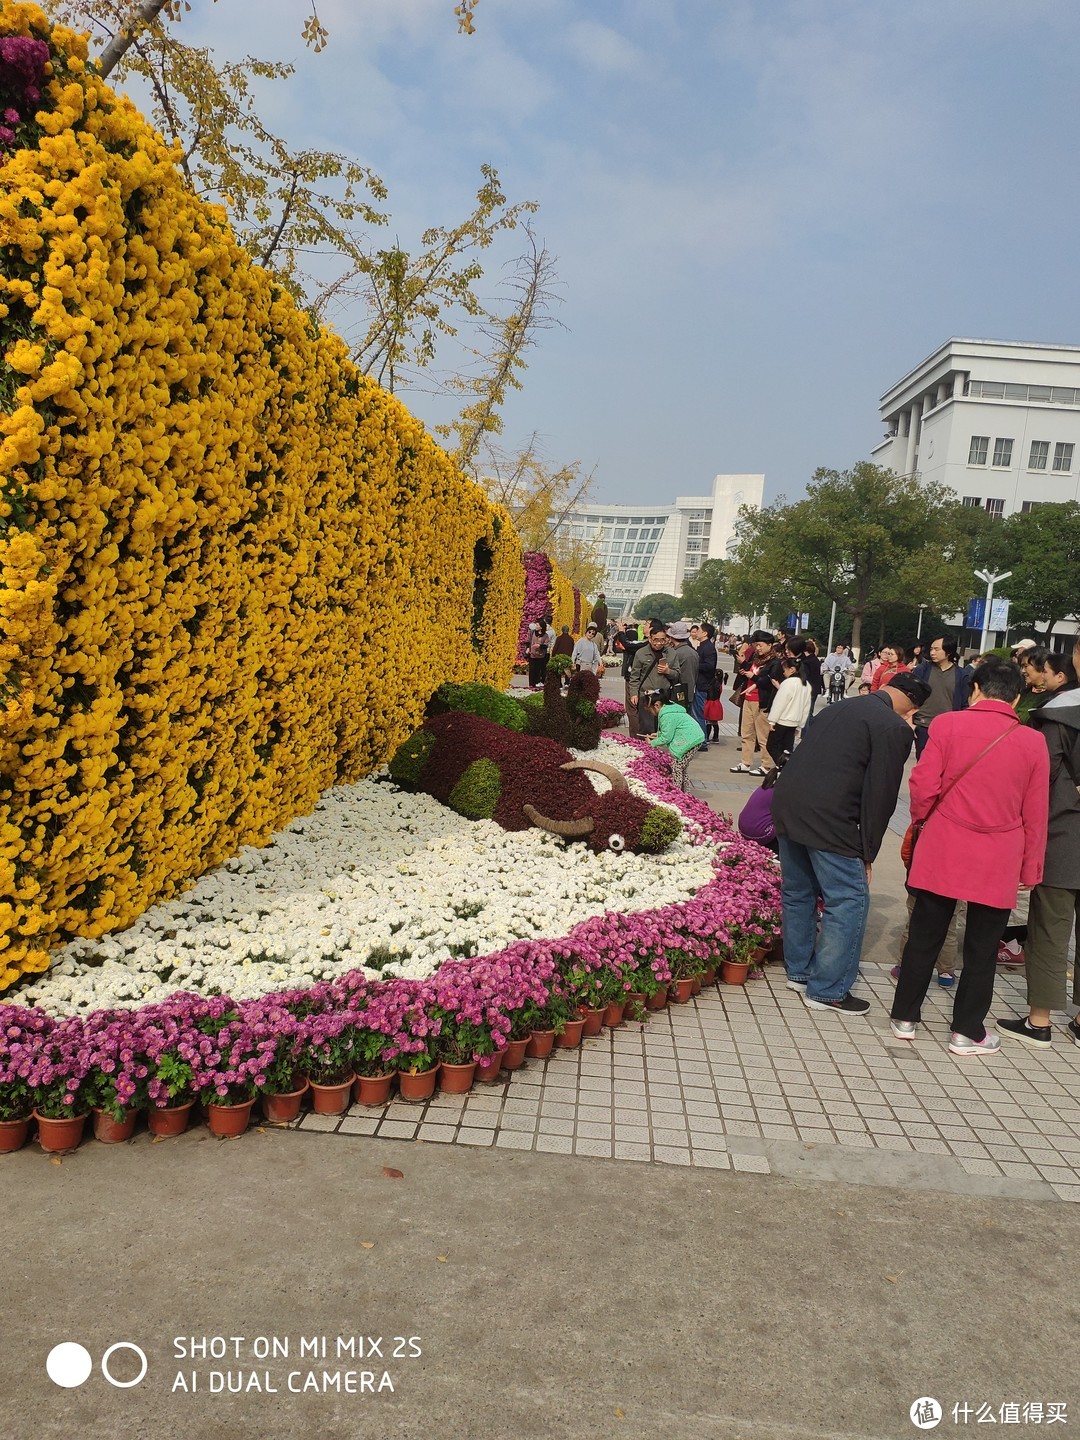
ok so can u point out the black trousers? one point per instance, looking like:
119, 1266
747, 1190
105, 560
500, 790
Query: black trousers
781, 738
926, 934
537, 670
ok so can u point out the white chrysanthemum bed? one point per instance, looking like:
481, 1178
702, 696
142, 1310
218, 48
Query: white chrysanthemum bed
375, 878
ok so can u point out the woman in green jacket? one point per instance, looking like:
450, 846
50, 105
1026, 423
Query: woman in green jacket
676, 731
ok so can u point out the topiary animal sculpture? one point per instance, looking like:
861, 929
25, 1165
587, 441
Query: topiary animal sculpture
484, 771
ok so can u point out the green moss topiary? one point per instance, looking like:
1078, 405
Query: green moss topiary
482, 700
659, 828
477, 793
409, 760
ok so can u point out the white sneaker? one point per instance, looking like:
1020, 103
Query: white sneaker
903, 1029
741, 769
800, 986
962, 1045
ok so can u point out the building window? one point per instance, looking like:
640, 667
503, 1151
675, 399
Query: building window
1063, 456
1003, 453
995, 509
1029, 505
977, 450
972, 501
1040, 451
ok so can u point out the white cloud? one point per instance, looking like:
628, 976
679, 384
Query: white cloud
601, 48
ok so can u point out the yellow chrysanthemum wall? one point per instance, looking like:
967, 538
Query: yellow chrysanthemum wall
231, 568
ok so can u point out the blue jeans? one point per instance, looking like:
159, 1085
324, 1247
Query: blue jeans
697, 710
825, 959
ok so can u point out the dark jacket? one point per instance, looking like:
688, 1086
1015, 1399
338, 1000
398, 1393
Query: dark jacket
706, 654
769, 679
627, 649
838, 791
1059, 721
812, 670
962, 690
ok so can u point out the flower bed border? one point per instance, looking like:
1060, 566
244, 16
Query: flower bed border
226, 1052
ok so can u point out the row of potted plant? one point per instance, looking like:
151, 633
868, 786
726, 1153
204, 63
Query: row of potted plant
350, 1035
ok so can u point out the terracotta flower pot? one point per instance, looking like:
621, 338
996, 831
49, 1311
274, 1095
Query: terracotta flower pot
373, 1089
635, 1003
488, 1067
114, 1132
456, 1079
331, 1099
417, 1084
228, 1121
734, 972
541, 1043
614, 1013
659, 1000
282, 1106
759, 953
708, 977
515, 1054
64, 1134
594, 1020
683, 990
570, 1038
13, 1134
695, 984
168, 1119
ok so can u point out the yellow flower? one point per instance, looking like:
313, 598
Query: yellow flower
217, 539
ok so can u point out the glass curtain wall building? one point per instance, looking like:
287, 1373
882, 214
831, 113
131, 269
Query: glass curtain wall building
647, 549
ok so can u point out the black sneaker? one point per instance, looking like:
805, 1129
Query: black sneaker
1074, 1030
1039, 1037
848, 1005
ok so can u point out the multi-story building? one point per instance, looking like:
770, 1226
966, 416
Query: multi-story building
656, 548
996, 421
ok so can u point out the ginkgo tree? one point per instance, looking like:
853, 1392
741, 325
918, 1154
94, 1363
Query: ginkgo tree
300, 211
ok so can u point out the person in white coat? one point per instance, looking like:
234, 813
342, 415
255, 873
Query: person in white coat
789, 710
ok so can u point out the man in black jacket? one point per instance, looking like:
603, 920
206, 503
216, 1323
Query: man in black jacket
831, 807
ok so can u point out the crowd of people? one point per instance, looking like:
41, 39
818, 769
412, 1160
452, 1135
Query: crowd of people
994, 845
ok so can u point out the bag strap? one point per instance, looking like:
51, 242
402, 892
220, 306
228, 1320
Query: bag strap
969, 766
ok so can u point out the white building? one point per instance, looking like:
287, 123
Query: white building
657, 548
996, 421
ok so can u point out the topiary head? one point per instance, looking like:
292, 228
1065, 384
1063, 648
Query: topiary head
623, 821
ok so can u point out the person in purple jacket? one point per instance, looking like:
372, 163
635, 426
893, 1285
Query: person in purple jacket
755, 819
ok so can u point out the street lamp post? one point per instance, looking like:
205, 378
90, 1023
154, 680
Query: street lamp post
832, 626
990, 580
918, 630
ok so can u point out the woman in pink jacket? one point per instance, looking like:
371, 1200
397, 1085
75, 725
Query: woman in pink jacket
982, 789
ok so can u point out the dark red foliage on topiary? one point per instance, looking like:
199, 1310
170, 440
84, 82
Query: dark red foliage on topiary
528, 768
581, 696
529, 773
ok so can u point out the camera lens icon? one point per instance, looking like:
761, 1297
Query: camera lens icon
69, 1364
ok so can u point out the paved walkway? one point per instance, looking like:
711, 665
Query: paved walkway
748, 1078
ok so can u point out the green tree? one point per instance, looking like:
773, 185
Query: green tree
706, 595
864, 538
658, 607
1042, 549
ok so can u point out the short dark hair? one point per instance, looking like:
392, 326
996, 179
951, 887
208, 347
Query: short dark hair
1061, 665
762, 637
948, 644
710, 630
998, 680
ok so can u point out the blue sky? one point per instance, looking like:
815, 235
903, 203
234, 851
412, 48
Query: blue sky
764, 211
